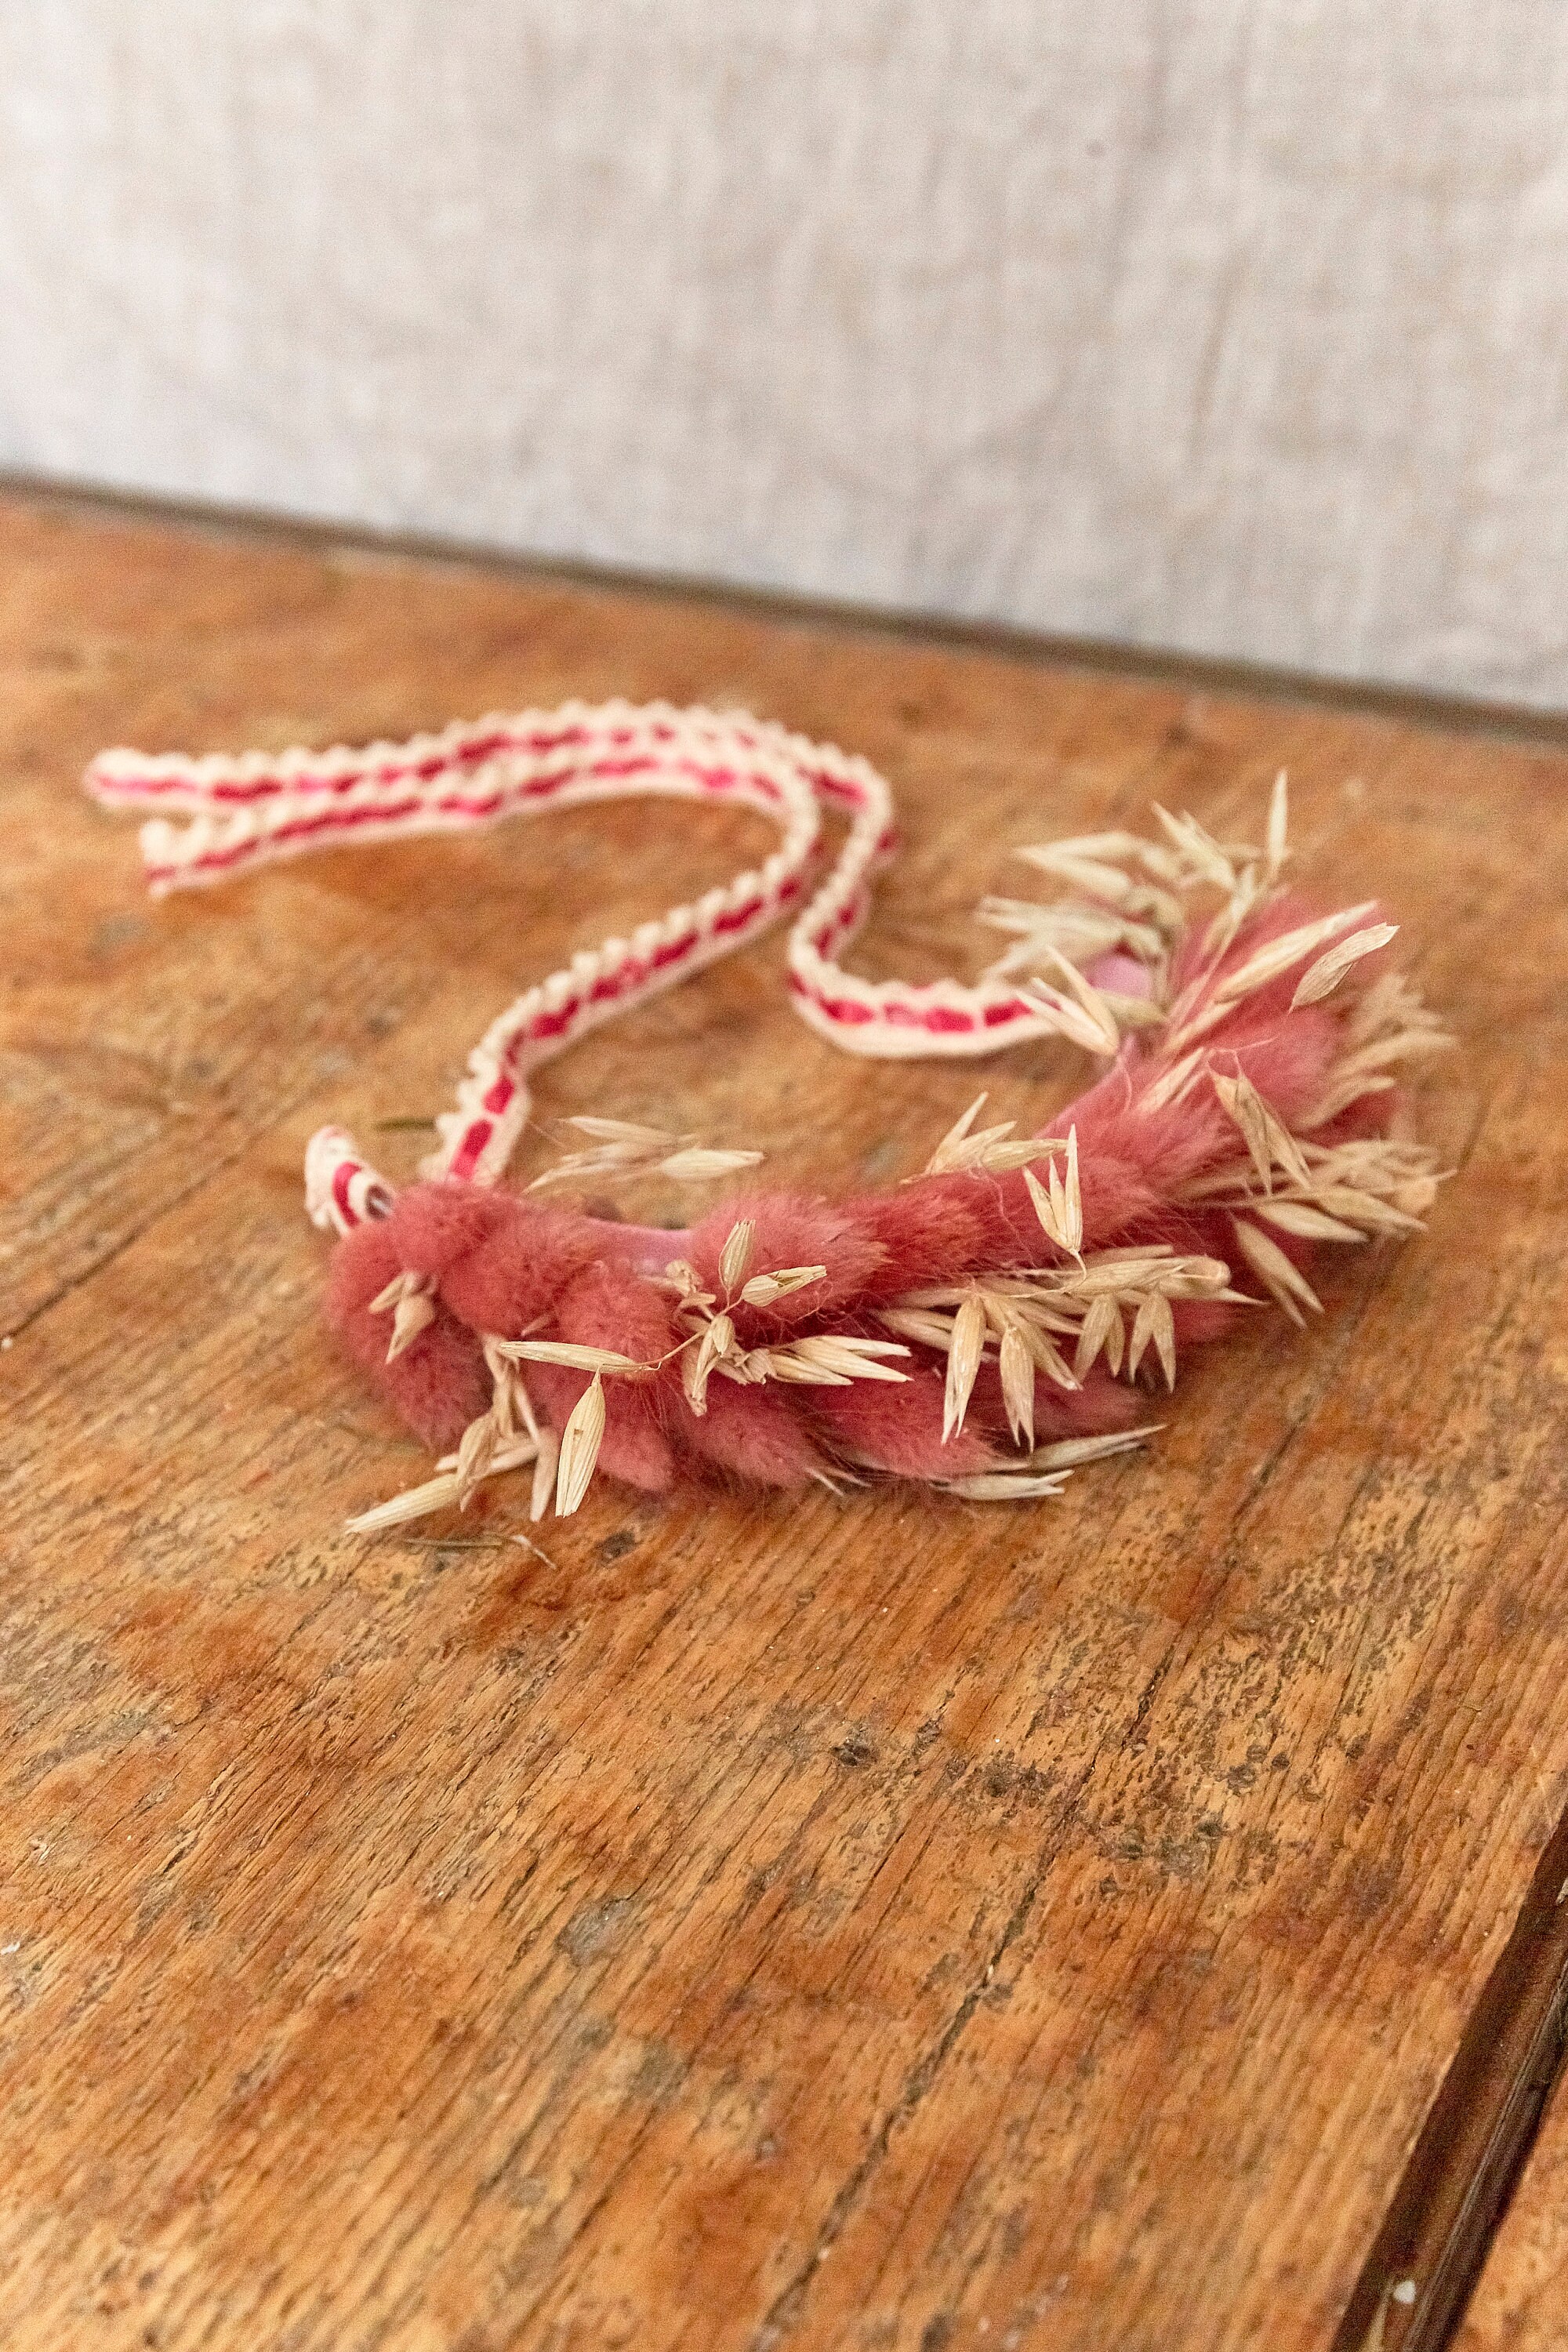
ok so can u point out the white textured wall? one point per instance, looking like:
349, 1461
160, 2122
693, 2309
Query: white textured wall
1234, 325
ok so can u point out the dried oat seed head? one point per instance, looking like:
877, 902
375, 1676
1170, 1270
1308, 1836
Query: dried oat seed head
580, 1443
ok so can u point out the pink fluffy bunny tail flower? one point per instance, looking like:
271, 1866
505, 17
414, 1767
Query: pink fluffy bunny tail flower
983, 1327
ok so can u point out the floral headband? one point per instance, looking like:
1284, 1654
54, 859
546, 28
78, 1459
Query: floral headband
984, 1326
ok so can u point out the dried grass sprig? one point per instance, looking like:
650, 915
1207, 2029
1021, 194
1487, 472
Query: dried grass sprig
624, 1148
545, 1468
737, 1252
437, 1493
965, 1348
1206, 1001
1267, 1140
1020, 1317
1048, 1468
964, 1150
1058, 1204
766, 1290
580, 1443
1080, 1011
574, 1358
408, 1299
1079, 932
1320, 979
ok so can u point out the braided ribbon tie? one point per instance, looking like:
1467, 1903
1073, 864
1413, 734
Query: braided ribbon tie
248, 811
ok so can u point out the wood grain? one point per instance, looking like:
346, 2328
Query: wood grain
873, 1925
1522, 2293
1437, 2231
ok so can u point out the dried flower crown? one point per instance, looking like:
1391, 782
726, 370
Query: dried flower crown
982, 1327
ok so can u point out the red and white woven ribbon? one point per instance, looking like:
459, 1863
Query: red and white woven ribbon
245, 812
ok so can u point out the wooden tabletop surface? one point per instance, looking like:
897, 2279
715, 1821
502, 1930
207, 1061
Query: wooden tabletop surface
1521, 2301
1125, 1922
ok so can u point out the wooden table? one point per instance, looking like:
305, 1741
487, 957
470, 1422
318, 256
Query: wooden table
1123, 1922
1521, 2302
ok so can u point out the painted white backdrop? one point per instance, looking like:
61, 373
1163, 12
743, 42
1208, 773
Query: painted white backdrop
1235, 326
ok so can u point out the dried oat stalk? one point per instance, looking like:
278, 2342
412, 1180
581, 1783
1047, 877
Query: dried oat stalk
408, 1299
965, 1148
622, 1148
1130, 895
1055, 1322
